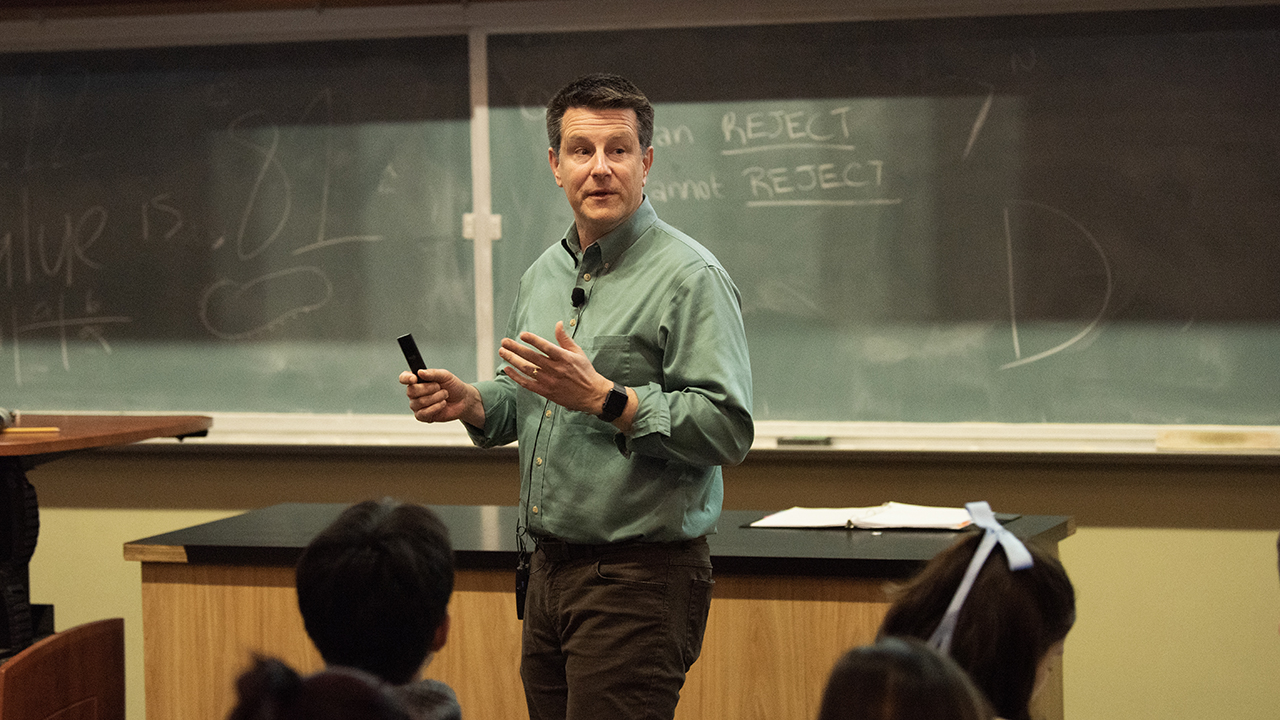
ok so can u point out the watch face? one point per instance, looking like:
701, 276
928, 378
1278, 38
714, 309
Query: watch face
614, 403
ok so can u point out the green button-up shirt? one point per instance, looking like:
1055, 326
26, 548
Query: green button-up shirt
660, 316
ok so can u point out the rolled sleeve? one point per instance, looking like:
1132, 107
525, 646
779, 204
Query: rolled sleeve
498, 398
704, 418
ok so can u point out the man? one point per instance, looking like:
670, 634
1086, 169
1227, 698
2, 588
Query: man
626, 380
373, 590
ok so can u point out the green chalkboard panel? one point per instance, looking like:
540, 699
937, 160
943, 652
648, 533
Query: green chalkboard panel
1063, 218
240, 228
1043, 219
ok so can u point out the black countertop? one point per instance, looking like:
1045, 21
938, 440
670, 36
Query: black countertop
484, 538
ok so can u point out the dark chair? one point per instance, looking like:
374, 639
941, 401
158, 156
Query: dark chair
77, 674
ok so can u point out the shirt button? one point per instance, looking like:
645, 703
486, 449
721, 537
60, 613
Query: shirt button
548, 413
573, 322
606, 266
534, 509
586, 276
538, 461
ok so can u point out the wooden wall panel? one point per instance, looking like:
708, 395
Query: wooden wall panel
769, 646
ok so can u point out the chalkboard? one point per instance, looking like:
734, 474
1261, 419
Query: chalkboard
1038, 219
1060, 218
234, 228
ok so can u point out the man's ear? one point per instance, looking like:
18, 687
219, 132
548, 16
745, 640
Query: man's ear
554, 159
442, 634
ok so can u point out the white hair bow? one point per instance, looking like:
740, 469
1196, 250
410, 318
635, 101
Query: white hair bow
993, 532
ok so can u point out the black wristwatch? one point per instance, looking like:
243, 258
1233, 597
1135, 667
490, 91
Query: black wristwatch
614, 403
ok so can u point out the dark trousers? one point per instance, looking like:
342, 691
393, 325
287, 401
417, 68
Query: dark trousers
611, 630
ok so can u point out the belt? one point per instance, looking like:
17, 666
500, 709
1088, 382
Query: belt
558, 550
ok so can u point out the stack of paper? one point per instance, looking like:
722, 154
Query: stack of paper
888, 515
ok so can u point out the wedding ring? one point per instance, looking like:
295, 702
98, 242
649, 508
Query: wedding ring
534, 372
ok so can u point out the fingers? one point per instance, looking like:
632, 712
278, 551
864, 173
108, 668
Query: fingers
523, 369
543, 366
425, 391
522, 357
522, 378
565, 341
429, 402
427, 375
538, 343
422, 390
539, 351
430, 412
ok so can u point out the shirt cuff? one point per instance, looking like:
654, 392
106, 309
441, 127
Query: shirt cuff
490, 398
652, 416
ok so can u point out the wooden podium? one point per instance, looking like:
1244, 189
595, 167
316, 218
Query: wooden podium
34, 440
786, 604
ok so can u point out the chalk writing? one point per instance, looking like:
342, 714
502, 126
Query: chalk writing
804, 178
160, 204
235, 301
793, 126
325, 101
43, 252
160, 207
1103, 262
666, 137
980, 120
270, 166
49, 252
688, 189
782, 186
310, 285
51, 317
818, 170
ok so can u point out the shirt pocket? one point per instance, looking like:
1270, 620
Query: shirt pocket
611, 356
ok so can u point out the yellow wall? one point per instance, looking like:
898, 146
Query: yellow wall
1173, 624
1174, 563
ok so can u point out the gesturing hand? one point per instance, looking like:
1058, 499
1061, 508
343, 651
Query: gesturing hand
560, 372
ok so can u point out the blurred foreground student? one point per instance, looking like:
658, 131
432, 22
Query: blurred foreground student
900, 678
373, 589
999, 608
271, 690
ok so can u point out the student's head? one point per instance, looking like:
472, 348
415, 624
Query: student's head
271, 690
1010, 628
601, 91
374, 588
900, 678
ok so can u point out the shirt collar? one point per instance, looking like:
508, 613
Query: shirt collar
618, 240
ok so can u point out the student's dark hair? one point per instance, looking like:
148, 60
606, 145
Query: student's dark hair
374, 586
600, 91
271, 690
1006, 626
900, 678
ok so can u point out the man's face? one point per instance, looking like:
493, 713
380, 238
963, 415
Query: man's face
601, 167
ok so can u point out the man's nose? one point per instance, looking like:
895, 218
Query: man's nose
600, 164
